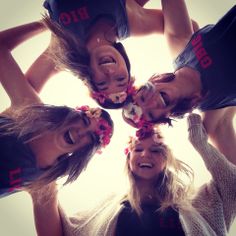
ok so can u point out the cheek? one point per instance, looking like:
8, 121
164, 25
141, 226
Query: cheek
132, 163
161, 163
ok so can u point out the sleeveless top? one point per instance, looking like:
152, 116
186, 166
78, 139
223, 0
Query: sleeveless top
211, 51
17, 162
150, 223
78, 16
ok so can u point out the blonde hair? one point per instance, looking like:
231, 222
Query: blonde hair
33, 121
67, 51
170, 188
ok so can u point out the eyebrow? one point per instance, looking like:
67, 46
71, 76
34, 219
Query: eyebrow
158, 145
86, 120
102, 89
101, 82
93, 137
100, 85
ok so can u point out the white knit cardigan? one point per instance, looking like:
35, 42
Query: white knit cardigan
214, 206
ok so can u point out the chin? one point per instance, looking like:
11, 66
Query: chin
144, 176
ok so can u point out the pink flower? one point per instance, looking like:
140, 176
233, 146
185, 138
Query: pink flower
104, 131
99, 96
126, 151
118, 97
131, 90
82, 108
144, 129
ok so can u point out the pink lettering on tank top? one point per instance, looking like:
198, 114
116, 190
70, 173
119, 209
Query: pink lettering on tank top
14, 179
201, 54
74, 16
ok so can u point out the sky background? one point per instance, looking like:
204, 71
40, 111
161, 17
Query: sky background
105, 173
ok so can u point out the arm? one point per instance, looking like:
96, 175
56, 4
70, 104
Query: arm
46, 213
222, 185
219, 126
11, 76
178, 27
142, 2
40, 71
221, 169
144, 21
11, 38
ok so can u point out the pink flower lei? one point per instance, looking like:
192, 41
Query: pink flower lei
146, 128
104, 130
115, 97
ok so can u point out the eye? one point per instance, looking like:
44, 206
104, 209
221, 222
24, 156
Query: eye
156, 150
160, 150
101, 83
120, 79
138, 149
150, 115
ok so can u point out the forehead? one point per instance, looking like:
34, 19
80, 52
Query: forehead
152, 140
82, 120
155, 114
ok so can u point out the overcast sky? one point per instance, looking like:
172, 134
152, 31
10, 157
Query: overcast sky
104, 174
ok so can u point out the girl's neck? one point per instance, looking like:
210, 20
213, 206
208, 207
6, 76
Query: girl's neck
102, 33
147, 191
45, 156
189, 80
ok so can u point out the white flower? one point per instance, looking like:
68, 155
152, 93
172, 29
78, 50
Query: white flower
118, 97
133, 112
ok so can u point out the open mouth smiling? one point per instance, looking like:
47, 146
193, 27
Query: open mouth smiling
165, 100
68, 137
146, 92
146, 165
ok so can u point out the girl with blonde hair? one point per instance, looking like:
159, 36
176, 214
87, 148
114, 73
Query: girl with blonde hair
159, 200
40, 143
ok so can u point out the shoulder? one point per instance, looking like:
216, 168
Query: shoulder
15, 110
93, 221
143, 21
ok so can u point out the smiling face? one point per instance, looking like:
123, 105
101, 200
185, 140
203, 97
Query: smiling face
76, 135
165, 95
155, 101
148, 158
109, 69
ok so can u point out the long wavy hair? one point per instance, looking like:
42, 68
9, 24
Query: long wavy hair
70, 53
34, 121
173, 187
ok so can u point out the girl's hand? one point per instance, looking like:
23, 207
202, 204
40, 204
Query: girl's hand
197, 132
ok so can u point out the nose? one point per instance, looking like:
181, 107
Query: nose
108, 70
144, 153
146, 96
155, 101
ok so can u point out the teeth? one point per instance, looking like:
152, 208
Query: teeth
107, 60
162, 100
145, 165
150, 87
71, 137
